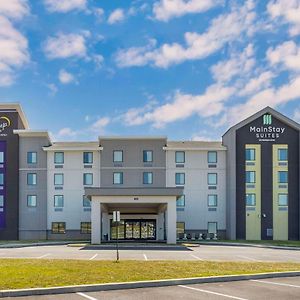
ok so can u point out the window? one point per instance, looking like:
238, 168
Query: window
1, 157
31, 157
250, 176
86, 202
180, 202
180, 228
212, 157
282, 154
1, 201
58, 227
118, 178
179, 178
1, 179
147, 178
250, 199
180, 157
118, 156
88, 179
212, 227
85, 227
212, 178
250, 154
283, 200
58, 201
58, 179
147, 156
58, 157
87, 157
212, 200
282, 177
31, 201
31, 178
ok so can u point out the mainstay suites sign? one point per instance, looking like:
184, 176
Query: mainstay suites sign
267, 132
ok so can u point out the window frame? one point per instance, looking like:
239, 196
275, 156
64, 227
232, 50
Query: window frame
287, 177
254, 151
84, 177
287, 154
250, 177
118, 161
84, 156
179, 162
88, 229
216, 200
60, 184
212, 162
28, 197
35, 176
246, 202
208, 227
180, 173
212, 184
28, 156
144, 173
63, 157
145, 152
121, 177
58, 227
54, 201
177, 200
287, 198
84, 198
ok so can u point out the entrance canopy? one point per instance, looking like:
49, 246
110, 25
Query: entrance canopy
136, 203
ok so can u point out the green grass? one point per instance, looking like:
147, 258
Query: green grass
30, 273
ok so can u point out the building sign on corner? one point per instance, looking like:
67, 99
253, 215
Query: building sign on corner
4, 124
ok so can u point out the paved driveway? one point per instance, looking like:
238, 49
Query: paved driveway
203, 252
275, 289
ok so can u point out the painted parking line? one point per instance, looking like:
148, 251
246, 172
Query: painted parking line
86, 296
277, 283
196, 257
43, 256
93, 257
210, 292
145, 257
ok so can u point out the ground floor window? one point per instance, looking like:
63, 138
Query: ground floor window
180, 228
212, 227
58, 227
85, 227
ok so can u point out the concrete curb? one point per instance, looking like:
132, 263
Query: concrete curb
140, 284
245, 245
6, 246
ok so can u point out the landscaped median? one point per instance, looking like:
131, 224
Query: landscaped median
29, 273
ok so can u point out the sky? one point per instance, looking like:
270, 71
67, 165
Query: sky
186, 69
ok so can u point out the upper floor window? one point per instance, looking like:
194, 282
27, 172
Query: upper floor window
31, 200
180, 157
118, 178
87, 157
250, 176
58, 201
147, 178
180, 202
282, 177
1, 203
212, 157
31, 179
212, 200
1, 179
31, 157
212, 178
87, 178
58, 157
180, 178
1, 157
147, 156
283, 199
118, 156
282, 154
86, 202
250, 154
250, 199
58, 179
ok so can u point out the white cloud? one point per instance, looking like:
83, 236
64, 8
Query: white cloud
223, 29
14, 51
182, 106
98, 59
99, 13
100, 125
66, 133
239, 63
116, 16
53, 88
164, 10
289, 11
64, 6
66, 77
287, 54
66, 45
14, 9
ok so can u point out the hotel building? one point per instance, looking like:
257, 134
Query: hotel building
245, 187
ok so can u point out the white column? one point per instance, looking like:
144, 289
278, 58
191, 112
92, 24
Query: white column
160, 226
171, 222
96, 221
105, 224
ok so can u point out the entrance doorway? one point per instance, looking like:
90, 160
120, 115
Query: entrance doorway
134, 230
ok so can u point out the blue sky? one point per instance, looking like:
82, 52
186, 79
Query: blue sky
187, 69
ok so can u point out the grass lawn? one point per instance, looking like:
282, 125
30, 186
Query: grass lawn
29, 273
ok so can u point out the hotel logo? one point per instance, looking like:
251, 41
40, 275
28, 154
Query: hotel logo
4, 123
267, 119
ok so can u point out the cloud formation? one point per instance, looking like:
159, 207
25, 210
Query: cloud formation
64, 6
66, 77
117, 16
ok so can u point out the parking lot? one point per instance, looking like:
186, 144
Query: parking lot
280, 288
203, 252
